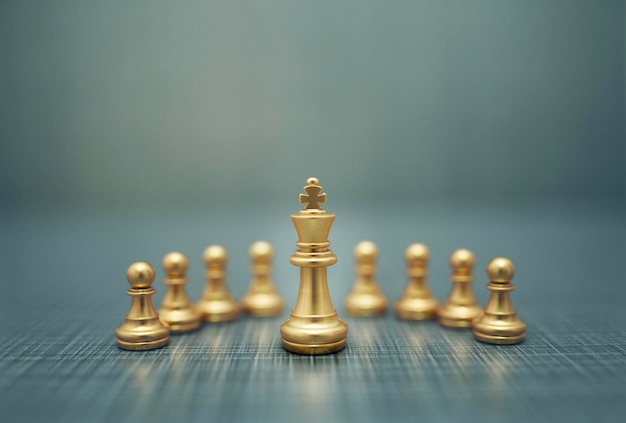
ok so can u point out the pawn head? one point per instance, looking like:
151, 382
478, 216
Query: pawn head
500, 270
175, 264
462, 261
140, 275
417, 254
215, 255
261, 251
366, 251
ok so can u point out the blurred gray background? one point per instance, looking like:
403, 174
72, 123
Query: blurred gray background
129, 129
155, 102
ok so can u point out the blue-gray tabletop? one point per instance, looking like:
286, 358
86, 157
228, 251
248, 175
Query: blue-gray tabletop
63, 293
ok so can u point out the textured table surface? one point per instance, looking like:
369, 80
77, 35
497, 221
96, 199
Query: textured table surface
63, 293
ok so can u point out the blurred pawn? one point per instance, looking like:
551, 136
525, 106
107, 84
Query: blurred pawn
177, 310
142, 329
366, 298
499, 323
416, 303
217, 304
461, 306
262, 299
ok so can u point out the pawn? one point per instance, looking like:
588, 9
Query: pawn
366, 298
461, 307
499, 323
262, 299
217, 304
142, 329
416, 303
177, 310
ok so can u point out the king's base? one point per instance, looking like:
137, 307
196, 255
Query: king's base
314, 335
500, 340
143, 345
319, 349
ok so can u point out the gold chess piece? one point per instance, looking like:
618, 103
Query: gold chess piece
142, 329
416, 303
217, 304
177, 310
313, 327
499, 323
366, 298
461, 306
262, 299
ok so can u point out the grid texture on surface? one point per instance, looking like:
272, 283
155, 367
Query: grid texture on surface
63, 295
239, 372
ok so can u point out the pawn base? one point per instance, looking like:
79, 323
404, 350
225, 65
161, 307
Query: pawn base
180, 320
416, 309
366, 305
143, 345
215, 311
416, 314
454, 316
499, 329
499, 340
180, 327
263, 305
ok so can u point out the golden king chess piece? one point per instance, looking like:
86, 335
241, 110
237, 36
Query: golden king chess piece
177, 310
366, 298
499, 323
142, 329
313, 327
217, 304
461, 307
416, 303
262, 299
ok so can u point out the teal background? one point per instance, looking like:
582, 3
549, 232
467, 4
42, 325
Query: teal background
238, 102
129, 129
